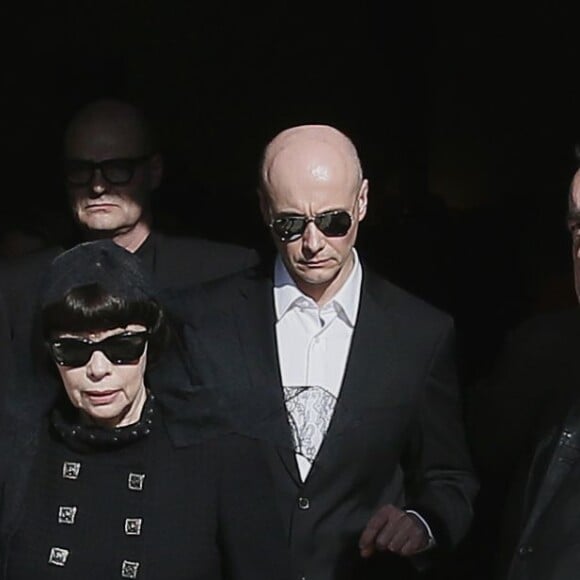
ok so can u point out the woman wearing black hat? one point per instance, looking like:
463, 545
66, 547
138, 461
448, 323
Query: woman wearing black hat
95, 486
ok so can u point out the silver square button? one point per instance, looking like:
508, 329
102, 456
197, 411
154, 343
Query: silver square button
67, 514
71, 469
58, 556
133, 526
136, 481
129, 569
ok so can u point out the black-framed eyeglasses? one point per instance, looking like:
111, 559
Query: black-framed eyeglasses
333, 224
120, 349
116, 171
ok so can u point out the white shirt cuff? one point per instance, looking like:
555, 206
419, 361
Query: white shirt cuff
431, 541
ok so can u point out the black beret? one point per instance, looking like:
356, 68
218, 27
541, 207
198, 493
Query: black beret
102, 262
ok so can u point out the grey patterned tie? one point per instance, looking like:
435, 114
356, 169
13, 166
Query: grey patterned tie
309, 412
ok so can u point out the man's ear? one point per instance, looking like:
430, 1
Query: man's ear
156, 170
264, 206
363, 199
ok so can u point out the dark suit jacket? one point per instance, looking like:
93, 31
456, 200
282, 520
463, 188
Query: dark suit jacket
548, 537
537, 370
531, 385
396, 435
176, 262
6, 353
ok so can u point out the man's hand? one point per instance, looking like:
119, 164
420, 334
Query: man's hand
394, 530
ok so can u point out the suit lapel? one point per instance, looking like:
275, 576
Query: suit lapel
373, 339
256, 329
562, 461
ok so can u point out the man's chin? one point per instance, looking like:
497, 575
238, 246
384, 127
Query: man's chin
318, 277
99, 223
99, 229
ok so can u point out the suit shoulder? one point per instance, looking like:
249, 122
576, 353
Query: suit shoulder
550, 323
229, 286
203, 299
30, 261
404, 302
206, 247
548, 335
19, 272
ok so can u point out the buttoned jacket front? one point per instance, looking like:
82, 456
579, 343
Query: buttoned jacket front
396, 434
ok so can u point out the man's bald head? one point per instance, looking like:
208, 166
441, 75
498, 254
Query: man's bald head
311, 184
109, 125
313, 150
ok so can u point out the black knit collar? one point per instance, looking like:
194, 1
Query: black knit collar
84, 437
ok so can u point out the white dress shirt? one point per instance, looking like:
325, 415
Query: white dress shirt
313, 346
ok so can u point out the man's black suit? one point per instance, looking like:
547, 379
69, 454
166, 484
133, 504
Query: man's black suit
395, 436
537, 370
533, 383
6, 354
547, 533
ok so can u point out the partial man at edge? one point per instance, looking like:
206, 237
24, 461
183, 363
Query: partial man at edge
510, 415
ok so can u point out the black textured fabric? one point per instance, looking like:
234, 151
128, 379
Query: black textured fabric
83, 436
178, 514
102, 262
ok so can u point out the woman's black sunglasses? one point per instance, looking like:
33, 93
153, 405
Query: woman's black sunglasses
120, 349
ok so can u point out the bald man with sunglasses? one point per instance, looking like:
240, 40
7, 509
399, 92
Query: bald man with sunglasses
350, 378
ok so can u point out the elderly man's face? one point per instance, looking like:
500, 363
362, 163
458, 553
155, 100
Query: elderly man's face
108, 198
318, 263
574, 227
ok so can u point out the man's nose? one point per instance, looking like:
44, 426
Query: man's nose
98, 183
312, 239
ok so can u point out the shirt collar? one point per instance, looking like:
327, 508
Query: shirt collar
287, 295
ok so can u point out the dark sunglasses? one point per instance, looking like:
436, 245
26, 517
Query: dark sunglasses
120, 349
115, 171
333, 224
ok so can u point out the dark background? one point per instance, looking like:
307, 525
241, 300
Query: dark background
464, 114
